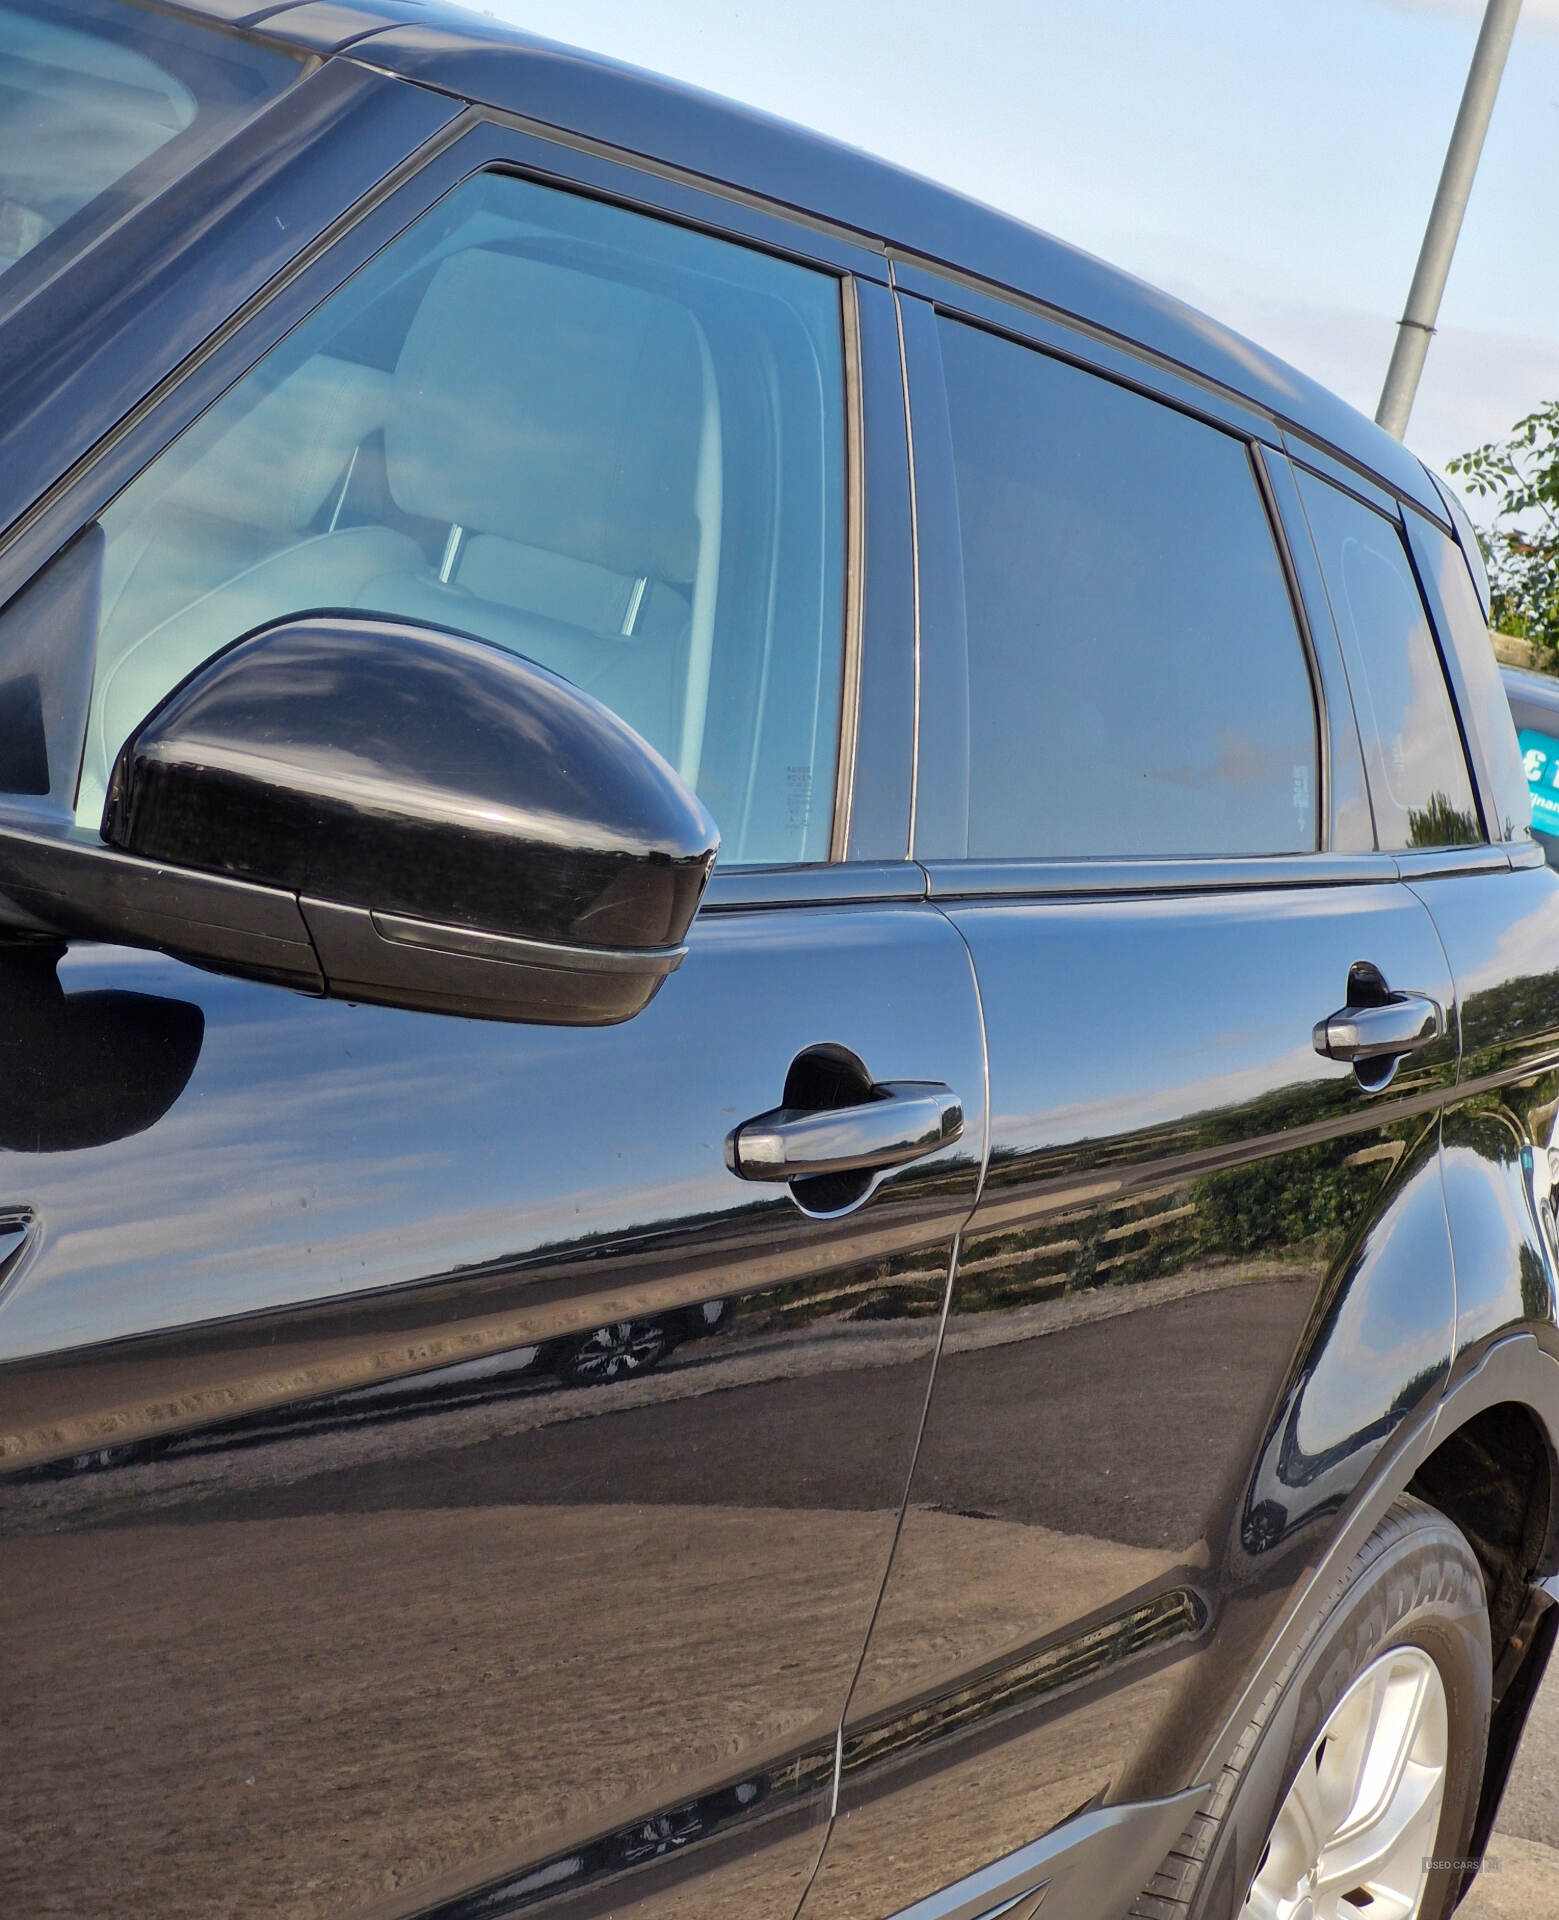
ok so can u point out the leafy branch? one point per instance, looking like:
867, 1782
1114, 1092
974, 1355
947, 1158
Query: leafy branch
1519, 477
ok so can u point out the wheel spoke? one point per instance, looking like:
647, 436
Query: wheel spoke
1399, 1709
1411, 1816
1319, 1794
1263, 1902
1293, 1848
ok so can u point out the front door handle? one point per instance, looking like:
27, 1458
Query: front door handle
904, 1120
1401, 1024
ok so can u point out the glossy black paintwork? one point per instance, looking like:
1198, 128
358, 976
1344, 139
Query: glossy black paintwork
1501, 935
86, 1069
1200, 1253
418, 777
561, 1611
304, 1535
46, 647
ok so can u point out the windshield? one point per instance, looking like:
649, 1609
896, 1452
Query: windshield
101, 104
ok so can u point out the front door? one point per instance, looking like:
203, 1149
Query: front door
439, 1476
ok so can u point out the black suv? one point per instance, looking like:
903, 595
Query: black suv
1059, 1220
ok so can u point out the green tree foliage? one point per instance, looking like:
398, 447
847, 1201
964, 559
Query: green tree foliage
1519, 479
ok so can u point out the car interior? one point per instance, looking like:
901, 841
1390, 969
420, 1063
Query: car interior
528, 438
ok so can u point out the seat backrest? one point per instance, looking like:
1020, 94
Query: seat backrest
556, 409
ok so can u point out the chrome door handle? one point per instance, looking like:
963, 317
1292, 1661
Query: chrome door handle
1401, 1024
904, 1120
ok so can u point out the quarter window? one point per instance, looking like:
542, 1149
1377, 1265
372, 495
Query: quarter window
1137, 682
1419, 784
1447, 573
612, 445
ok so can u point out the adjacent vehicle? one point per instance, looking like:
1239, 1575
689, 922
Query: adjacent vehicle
1534, 706
638, 748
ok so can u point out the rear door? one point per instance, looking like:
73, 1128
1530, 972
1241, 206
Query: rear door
1173, 1347
436, 1481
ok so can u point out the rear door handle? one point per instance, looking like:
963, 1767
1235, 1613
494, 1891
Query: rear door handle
904, 1120
1402, 1024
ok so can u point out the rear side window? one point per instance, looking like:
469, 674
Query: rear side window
612, 445
1420, 788
1137, 682
101, 103
1459, 616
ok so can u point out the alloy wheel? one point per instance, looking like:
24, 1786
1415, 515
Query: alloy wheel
1354, 1834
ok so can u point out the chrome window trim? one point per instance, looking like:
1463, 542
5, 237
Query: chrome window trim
1222, 873
854, 572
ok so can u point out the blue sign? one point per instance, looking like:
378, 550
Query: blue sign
1540, 751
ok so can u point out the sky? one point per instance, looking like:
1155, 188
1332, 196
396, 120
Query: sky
1272, 161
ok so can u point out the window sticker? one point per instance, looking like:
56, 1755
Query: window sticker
1540, 752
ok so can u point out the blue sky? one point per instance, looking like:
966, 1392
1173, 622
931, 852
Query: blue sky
1271, 162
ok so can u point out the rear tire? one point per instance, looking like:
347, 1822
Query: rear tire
1414, 1591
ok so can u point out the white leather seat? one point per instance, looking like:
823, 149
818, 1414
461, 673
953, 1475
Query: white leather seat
547, 418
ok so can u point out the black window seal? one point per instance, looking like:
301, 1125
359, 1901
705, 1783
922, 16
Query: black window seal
1124, 875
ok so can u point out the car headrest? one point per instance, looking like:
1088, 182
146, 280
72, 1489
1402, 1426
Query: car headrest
275, 467
551, 407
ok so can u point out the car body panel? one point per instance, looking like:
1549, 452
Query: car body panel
1501, 936
1194, 1234
952, 1537
509, 1616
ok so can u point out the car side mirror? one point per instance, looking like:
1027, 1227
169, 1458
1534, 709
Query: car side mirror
389, 812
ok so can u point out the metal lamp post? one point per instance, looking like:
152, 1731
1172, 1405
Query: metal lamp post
1445, 217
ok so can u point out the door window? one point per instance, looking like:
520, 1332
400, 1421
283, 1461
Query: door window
1137, 682
1419, 784
609, 444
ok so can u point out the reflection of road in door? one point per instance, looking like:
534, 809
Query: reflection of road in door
1073, 1492
299, 1556
305, 1534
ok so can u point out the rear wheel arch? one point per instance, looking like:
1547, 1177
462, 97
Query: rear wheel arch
1500, 1417
1493, 1475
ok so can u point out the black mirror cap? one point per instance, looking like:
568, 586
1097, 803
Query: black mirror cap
461, 828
